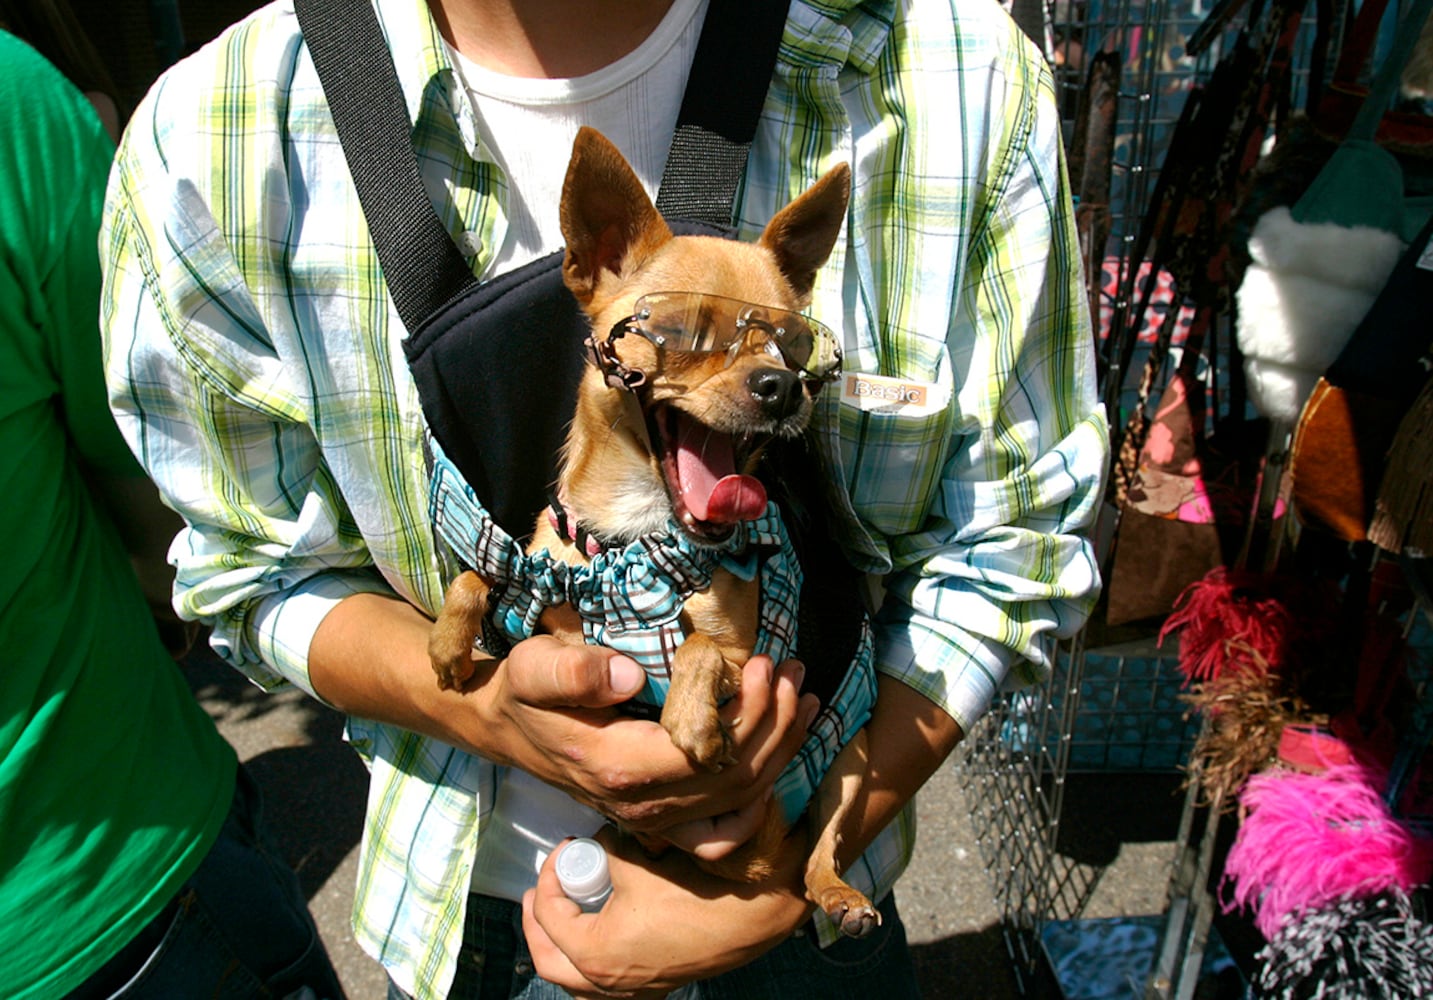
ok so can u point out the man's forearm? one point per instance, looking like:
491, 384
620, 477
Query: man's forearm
369, 658
547, 710
909, 738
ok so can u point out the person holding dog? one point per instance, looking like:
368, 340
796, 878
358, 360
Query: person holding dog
255, 362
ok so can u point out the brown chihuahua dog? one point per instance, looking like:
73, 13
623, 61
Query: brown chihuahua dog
687, 387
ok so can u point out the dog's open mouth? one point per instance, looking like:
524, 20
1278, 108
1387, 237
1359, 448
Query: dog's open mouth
702, 467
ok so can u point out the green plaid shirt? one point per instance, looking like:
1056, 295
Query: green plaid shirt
256, 368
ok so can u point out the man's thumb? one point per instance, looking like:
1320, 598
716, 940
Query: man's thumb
547, 673
625, 676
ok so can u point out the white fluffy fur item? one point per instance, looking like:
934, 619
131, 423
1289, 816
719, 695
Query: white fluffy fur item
1302, 296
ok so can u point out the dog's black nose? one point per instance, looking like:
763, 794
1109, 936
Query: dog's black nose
776, 390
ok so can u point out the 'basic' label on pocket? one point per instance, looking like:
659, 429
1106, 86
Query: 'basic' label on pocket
892, 395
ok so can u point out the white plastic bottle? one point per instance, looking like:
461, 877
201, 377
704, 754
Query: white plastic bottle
582, 871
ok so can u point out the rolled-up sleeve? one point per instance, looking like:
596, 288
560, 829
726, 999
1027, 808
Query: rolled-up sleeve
210, 407
1002, 562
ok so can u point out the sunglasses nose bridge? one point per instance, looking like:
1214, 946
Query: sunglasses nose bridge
742, 330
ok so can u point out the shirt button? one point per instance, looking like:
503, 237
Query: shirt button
523, 968
471, 244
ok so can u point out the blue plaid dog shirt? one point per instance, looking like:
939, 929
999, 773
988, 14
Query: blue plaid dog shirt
630, 600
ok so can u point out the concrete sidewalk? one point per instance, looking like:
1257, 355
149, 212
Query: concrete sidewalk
315, 788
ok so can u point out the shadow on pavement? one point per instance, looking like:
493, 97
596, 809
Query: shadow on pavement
1104, 811
314, 783
973, 964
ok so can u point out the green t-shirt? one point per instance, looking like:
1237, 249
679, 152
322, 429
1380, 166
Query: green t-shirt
113, 781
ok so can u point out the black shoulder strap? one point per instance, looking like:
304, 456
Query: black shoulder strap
421, 265
720, 107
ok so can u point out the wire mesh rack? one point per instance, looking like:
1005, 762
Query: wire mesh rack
1111, 707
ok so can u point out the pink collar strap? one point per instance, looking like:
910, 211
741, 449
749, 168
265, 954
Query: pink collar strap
568, 528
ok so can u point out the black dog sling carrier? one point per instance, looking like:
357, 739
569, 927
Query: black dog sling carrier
480, 351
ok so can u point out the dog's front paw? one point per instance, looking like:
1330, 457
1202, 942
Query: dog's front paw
450, 651
450, 644
849, 909
701, 680
702, 737
453, 672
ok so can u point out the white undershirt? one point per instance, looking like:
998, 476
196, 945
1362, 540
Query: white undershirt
528, 124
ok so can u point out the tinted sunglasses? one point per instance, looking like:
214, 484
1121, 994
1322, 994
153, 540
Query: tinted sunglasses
697, 323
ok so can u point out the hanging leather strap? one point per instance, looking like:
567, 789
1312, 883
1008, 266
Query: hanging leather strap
421, 265
1385, 80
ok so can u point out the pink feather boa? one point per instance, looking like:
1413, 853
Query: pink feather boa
1309, 840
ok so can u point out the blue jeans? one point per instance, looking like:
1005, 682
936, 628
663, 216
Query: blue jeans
495, 964
239, 928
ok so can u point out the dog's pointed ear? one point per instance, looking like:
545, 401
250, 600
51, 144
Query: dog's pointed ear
802, 234
608, 222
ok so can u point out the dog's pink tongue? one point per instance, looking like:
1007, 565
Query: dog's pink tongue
736, 498
711, 487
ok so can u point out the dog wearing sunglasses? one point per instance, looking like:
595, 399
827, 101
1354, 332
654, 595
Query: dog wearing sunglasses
700, 358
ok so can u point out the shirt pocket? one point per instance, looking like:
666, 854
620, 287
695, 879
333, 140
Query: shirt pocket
891, 462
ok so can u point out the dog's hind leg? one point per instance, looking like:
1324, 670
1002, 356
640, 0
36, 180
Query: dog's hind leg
847, 907
450, 644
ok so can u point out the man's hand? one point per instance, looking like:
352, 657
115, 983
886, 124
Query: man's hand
666, 923
548, 709
555, 704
